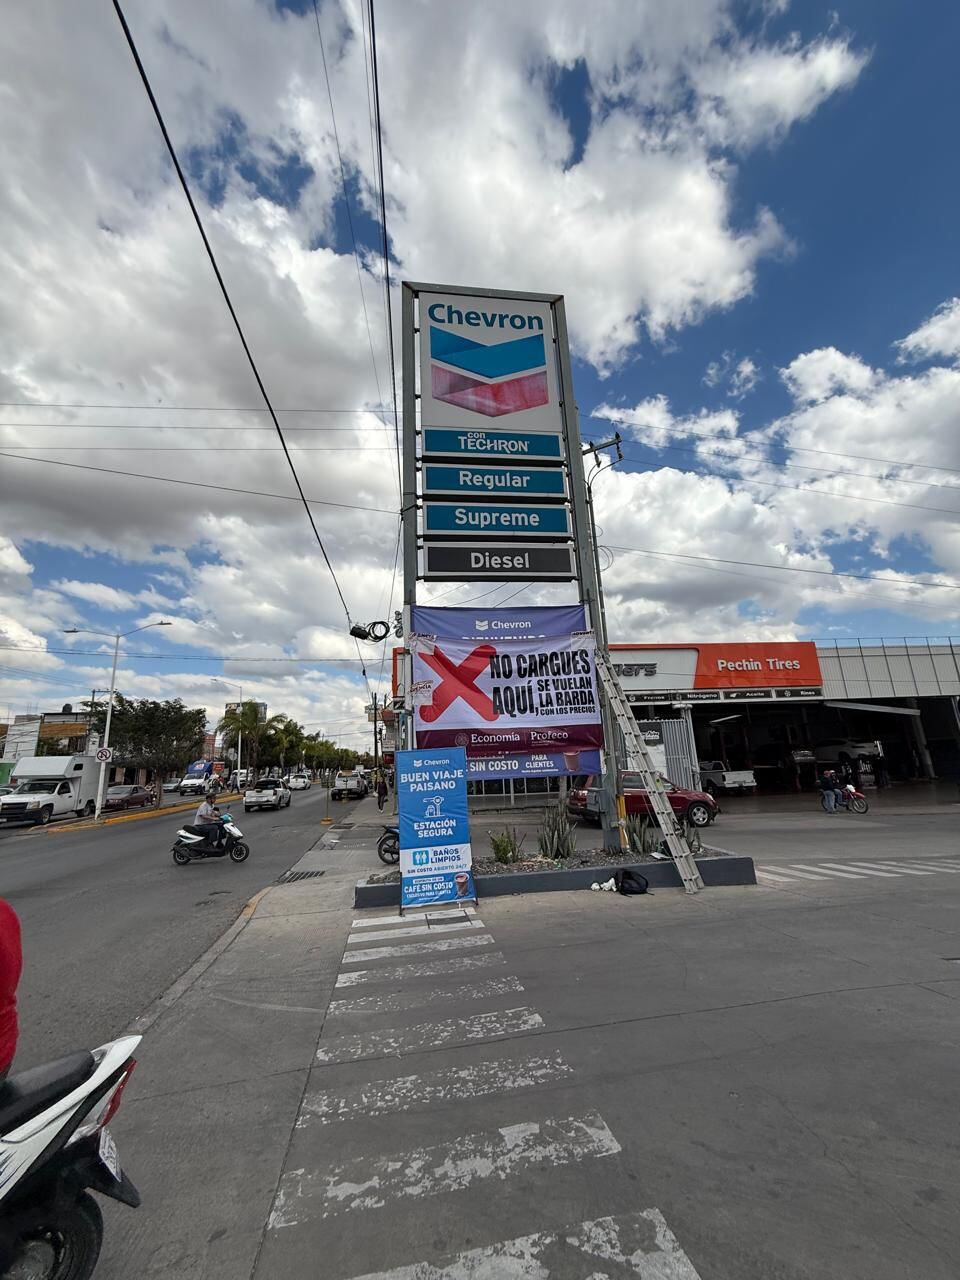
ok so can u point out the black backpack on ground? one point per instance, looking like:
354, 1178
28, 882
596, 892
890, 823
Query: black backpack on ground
629, 880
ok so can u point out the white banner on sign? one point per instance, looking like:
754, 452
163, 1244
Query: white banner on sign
487, 361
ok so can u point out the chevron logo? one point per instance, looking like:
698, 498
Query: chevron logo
496, 379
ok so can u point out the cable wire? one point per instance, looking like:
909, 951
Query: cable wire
196, 484
386, 239
226, 297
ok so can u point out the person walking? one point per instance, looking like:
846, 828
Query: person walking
11, 966
381, 791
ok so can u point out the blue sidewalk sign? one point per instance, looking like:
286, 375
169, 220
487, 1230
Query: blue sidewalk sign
486, 520
435, 854
494, 482
498, 446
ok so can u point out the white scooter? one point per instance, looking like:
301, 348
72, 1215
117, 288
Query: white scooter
194, 843
54, 1149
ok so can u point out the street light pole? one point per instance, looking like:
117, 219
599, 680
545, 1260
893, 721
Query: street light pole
117, 637
233, 685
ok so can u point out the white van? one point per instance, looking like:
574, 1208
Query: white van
47, 787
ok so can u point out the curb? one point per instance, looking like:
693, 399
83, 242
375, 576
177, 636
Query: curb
155, 1010
87, 825
716, 873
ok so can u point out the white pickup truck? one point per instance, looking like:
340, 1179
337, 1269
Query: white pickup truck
717, 779
47, 787
349, 784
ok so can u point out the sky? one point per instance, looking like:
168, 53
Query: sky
750, 208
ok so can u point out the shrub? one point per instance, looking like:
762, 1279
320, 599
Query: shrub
506, 846
556, 837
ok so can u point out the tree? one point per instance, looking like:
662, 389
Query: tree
257, 733
288, 740
161, 736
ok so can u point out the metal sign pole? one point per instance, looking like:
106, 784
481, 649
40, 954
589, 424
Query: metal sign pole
408, 509
586, 565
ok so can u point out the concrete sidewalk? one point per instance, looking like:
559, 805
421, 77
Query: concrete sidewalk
210, 1111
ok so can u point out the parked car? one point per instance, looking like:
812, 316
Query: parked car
349, 784
127, 797
844, 750
172, 786
266, 793
577, 797
300, 782
717, 778
697, 807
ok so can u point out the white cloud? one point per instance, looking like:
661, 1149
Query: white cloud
938, 336
653, 422
818, 374
741, 377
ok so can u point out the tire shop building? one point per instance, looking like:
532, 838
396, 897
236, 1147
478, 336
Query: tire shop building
888, 708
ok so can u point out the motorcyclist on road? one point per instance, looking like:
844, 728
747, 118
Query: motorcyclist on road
208, 815
832, 793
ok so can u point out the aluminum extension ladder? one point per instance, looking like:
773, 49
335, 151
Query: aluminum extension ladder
639, 762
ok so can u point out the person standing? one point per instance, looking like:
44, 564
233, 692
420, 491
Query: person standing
11, 965
381, 790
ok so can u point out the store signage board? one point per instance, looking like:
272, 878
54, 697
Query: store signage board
538, 764
515, 622
495, 445
505, 561
435, 852
487, 357
485, 520
467, 480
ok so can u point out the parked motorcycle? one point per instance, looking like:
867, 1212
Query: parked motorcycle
196, 842
55, 1148
388, 846
850, 798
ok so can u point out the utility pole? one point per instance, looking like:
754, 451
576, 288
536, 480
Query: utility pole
116, 637
376, 752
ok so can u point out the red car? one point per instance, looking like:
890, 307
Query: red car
127, 797
697, 807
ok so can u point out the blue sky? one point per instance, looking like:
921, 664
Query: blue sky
746, 205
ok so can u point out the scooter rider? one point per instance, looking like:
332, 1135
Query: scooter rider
208, 815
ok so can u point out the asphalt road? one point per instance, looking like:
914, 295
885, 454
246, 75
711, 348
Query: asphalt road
109, 922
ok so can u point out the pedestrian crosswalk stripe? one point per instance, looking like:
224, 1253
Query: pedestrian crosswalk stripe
830, 869
413, 931
948, 867
399, 973
637, 1244
802, 875
890, 867
394, 1001
842, 866
428, 1035
370, 1182
416, 949
769, 875
448, 1085
375, 921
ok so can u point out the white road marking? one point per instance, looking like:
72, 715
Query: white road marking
769, 875
394, 1001
801, 875
637, 1244
413, 930
825, 866
873, 871
400, 973
936, 866
416, 949
897, 867
450, 1084
428, 1035
370, 1182
412, 915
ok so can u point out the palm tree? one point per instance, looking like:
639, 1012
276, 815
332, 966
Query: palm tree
256, 732
288, 739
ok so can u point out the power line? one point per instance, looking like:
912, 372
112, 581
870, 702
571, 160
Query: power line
226, 297
196, 484
838, 472
176, 408
386, 238
346, 200
177, 657
795, 448
73, 427
790, 568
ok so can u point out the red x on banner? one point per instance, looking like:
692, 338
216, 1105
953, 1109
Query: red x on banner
459, 682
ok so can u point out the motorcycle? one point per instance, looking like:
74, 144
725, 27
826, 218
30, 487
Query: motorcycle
55, 1148
388, 846
194, 843
850, 799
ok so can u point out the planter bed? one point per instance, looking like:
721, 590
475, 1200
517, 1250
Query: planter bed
542, 876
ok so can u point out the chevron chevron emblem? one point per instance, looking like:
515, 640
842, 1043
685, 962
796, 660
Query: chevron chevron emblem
491, 379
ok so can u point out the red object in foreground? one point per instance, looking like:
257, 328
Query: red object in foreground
11, 964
